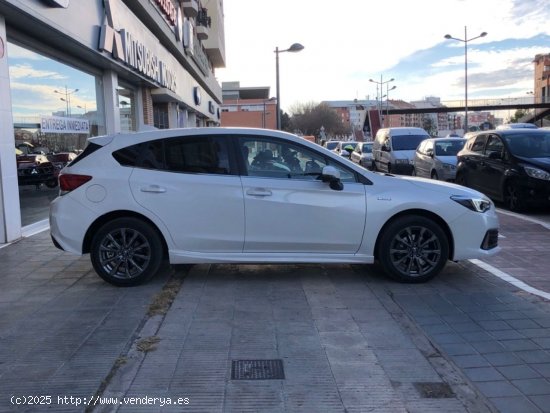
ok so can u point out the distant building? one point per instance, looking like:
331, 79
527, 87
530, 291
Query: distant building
542, 78
248, 106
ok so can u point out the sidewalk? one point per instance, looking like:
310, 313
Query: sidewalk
348, 339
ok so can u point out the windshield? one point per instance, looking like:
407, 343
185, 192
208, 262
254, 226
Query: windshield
367, 148
331, 144
407, 142
448, 148
529, 145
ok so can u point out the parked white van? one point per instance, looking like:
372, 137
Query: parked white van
393, 149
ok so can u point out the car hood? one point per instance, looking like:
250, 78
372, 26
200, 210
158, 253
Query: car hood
448, 159
404, 154
543, 163
442, 186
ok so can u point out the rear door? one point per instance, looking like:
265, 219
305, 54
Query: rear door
190, 184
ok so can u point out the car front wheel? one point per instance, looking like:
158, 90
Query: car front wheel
413, 249
126, 252
514, 197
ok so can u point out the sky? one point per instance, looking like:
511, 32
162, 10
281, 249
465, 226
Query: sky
346, 43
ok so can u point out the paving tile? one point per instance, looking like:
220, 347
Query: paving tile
483, 374
519, 345
543, 402
500, 388
514, 404
483, 347
470, 361
533, 386
516, 372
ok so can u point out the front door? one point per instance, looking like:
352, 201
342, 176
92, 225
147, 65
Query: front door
288, 210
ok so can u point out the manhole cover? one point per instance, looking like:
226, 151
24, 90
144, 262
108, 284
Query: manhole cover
434, 390
257, 370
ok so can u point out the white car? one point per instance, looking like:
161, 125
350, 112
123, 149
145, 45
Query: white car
235, 195
435, 158
362, 155
345, 148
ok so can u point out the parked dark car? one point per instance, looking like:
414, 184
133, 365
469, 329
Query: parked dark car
509, 165
61, 159
36, 169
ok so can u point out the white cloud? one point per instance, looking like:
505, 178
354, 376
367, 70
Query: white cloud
348, 43
27, 71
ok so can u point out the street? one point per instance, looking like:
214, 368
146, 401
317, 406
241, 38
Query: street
345, 336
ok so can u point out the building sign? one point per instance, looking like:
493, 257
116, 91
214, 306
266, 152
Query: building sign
127, 47
168, 9
57, 124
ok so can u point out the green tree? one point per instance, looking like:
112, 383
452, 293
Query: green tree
520, 113
308, 118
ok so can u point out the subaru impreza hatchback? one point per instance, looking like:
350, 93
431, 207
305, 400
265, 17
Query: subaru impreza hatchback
236, 195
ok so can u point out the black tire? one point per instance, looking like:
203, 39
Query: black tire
461, 179
413, 249
434, 175
126, 252
514, 197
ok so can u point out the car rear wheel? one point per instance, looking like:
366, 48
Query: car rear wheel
126, 252
514, 197
413, 249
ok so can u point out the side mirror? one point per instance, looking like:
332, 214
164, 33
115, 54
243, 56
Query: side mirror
385, 148
430, 153
332, 175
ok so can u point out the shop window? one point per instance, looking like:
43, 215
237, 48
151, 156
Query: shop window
127, 109
54, 105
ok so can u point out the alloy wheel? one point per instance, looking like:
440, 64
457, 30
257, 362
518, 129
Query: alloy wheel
124, 253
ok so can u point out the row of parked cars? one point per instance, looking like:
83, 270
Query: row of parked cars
37, 166
510, 164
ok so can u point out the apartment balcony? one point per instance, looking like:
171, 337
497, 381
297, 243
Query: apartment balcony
190, 7
203, 24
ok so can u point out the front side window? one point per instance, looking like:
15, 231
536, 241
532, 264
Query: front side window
494, 145
479, 144
273, 158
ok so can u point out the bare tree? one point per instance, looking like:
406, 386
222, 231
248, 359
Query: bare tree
308, 118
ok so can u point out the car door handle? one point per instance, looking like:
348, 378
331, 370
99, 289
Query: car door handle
259, 192
153, 188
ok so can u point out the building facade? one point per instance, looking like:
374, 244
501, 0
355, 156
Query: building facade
248, 106
72, 69
542, 78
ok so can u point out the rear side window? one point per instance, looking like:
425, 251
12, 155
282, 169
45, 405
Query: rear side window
208, 155
90, 148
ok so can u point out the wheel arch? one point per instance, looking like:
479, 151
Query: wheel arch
86, 245
418, 212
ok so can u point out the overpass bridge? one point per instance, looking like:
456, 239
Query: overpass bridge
536, 108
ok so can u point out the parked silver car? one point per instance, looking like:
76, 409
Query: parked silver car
362, 155
436, 158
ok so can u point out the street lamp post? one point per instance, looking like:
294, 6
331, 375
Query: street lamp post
295, 47
465, 41
67, 99
388, 102
381, 83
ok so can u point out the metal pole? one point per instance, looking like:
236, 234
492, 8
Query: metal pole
278, 88
465, 80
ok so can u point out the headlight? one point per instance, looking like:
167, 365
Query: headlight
536, 173
449, 167
402, 161
475, 204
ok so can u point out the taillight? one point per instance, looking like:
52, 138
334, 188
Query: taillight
69, 182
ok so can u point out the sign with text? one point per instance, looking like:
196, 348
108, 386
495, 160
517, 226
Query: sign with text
57, 124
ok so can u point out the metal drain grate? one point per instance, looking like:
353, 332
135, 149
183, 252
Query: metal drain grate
435, 390
257, 370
